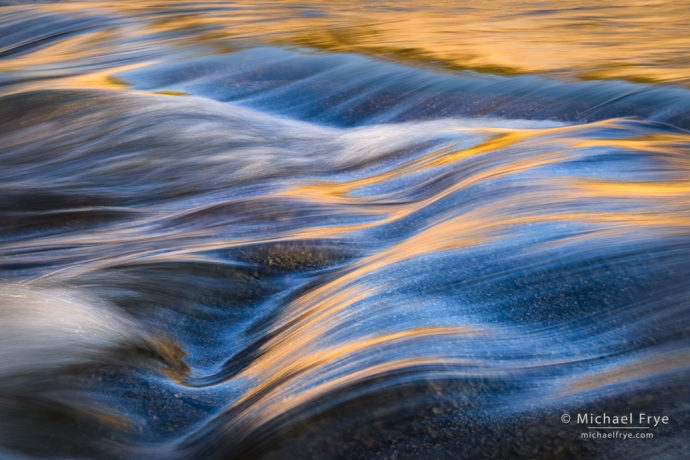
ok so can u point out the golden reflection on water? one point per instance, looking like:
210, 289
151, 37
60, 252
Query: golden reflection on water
503, 182
643, 41
644, 368
630, 40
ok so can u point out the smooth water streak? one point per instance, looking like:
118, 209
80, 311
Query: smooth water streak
280, 252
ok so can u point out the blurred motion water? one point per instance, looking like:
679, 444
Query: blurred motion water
342, 230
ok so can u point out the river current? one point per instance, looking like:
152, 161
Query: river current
364, 230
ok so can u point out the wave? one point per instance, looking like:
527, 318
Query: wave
312, 255
429, 272
341, 89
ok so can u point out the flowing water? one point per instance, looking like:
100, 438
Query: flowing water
358, 230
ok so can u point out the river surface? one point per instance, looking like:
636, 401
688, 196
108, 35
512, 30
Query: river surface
343, 230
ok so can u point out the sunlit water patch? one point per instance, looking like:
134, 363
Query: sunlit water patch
280, 252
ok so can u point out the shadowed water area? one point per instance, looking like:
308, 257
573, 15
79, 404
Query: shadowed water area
362, 230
